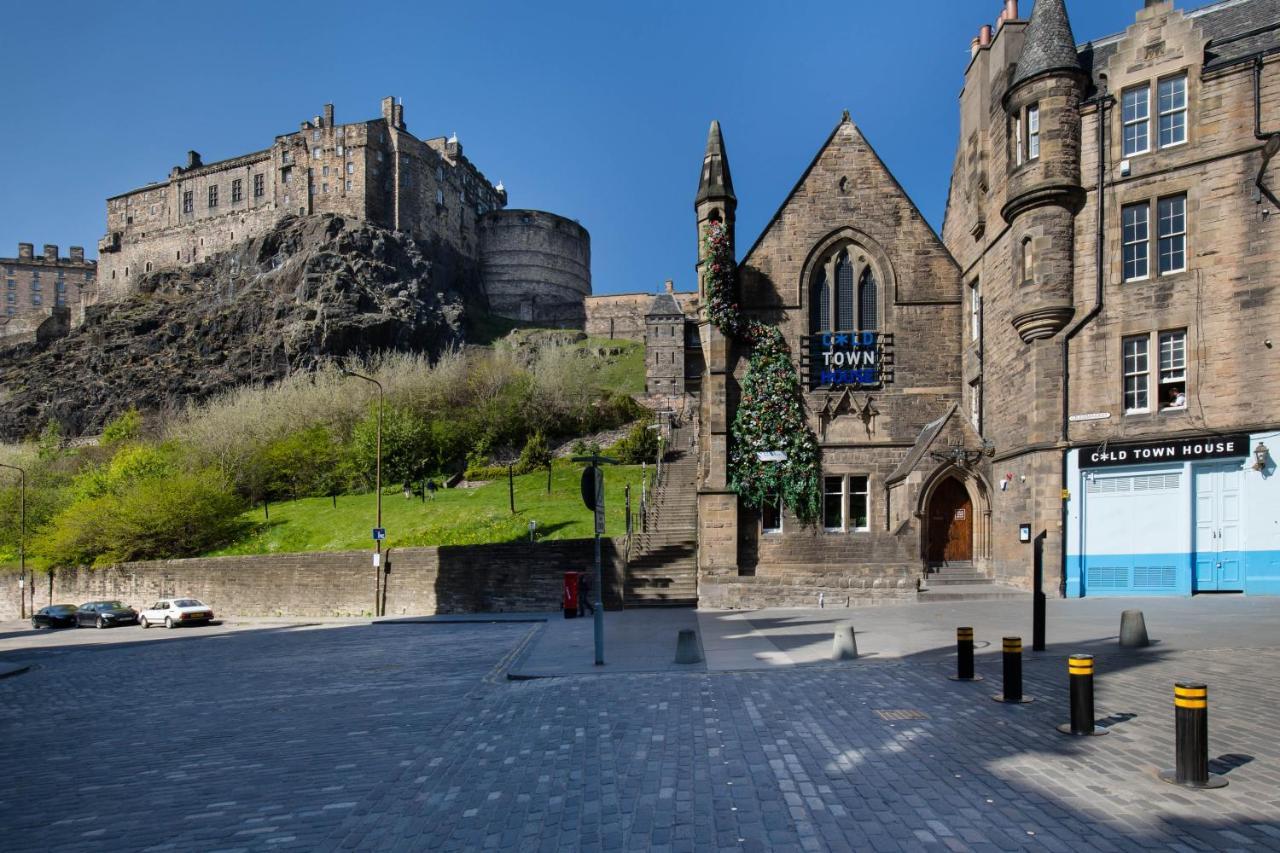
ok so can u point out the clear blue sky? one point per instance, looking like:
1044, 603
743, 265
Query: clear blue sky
597, 111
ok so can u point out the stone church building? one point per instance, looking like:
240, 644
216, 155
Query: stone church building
1082, 362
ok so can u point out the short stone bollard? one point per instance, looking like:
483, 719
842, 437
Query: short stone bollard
844, 646
1191, 739
1133, 630
687, 647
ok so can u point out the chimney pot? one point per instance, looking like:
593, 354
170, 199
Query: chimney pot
984, 36
50, 252
1011, 10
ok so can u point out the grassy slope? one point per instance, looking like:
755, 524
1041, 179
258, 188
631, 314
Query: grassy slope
453, 517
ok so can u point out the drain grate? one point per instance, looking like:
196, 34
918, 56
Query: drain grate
901, 714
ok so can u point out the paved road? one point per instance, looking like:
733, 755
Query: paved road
391, 737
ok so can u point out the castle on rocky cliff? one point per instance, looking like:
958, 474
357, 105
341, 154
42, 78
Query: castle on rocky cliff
532, 265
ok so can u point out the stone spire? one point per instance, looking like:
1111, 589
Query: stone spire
1050, 45
716, 183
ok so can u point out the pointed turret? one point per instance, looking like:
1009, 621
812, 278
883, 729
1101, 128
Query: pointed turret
716, 183
1049, 45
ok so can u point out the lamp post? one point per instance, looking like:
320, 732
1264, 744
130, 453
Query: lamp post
22, 544
377, 557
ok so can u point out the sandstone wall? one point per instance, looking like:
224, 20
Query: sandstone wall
448, 579
621, 315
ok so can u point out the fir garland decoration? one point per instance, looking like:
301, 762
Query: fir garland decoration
770, 414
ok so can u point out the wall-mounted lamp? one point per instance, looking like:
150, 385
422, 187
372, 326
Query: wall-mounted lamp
1260, 455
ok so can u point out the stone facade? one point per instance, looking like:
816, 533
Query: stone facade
1044, 336
374, 170
36, 286
513, 577
621, 315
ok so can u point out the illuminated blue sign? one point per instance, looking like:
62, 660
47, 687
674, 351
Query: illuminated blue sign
848, 359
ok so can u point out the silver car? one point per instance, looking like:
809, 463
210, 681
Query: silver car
172, 612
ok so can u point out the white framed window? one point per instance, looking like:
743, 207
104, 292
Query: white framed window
1028, 260
1173, 369
324, 171
1171, 216
771, 515
315, 153
1137, 375
1017, 141
1136, 115
1033, 131
1172, 108
975, 404
341, 150
348, 185
859, 514
351, 168
833, 504
1136, 238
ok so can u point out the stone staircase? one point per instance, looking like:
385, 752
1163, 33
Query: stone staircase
964, 582
662, 565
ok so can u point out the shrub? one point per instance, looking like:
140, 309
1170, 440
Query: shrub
126, 427
406, 445
639, 445
535, 455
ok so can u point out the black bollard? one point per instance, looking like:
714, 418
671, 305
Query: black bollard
1191, 735
1012, 673
964, 656
1080, 675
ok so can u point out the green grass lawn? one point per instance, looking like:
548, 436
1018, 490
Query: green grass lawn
453, 517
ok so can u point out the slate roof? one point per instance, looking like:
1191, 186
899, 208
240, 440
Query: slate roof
924, 441
1050, 44
1236, 29
663, 303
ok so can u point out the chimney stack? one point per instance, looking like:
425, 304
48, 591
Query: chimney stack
398, 116
26, 251
388, 108
77, 254
50, 252
193, 160
328, 115
671, 286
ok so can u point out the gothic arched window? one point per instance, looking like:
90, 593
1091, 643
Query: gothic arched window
868, 302
844, 292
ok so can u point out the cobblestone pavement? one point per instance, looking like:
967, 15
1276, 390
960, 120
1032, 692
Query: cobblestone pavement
408, 737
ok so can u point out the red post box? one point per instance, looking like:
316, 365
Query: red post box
570, 595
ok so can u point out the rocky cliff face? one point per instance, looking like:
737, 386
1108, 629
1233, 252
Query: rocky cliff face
311, 289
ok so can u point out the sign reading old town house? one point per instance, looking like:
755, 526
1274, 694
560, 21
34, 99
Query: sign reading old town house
1167, 450
847, 359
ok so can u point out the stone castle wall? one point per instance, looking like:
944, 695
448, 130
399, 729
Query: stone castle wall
499, 578
536, 266
621, 315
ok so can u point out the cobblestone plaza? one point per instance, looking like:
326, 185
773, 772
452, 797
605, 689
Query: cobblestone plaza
387, 737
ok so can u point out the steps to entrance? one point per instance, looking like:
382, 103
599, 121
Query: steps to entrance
987, 591
663, 567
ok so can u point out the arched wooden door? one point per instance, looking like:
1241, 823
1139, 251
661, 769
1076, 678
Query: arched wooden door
950, 523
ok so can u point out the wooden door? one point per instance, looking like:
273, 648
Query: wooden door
950, 524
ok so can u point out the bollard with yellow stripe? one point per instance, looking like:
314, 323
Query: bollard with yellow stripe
964, 656
1080, 679
1012, 694
1191, 738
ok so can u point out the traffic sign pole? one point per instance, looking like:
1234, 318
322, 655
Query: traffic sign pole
593, 497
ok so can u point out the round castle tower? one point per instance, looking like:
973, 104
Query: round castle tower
1043, 105
536, 266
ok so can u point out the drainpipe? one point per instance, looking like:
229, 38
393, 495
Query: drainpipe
1103, 100
1272, 140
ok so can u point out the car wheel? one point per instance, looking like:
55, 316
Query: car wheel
143, 623
168, 622
101, 623
35, 626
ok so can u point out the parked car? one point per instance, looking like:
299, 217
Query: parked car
54, 616
105, 614
176, 611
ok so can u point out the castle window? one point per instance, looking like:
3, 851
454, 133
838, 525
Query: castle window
439, 198
833, 504
975, 310
975, 404
351, 168
341, 150
10, 310
820, 307
315, 153
188, 201
440, 173
36, 299
325, 171
1028, 260
11, 284
324, 188
1172, 224
315, 135
259, 186
213, 196
858, 504
1136, 237
1137, 376
1173, 111
348, 185
1033, 131
1136, 115
237, 191
35, 285
1017, 140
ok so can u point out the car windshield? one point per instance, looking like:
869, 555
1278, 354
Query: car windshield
113, 605
62, 609
187, 602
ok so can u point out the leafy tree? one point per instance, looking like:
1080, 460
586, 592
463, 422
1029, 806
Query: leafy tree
406, 445
126, 427
639, 445
535, 455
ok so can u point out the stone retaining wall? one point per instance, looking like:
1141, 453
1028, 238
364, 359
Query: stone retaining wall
446, 579
802, 590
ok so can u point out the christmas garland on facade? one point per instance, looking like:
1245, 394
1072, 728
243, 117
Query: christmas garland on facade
770, 415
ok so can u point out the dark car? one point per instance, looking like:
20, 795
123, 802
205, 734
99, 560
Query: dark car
54, 616
104, 614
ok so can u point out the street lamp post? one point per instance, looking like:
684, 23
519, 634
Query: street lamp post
377, 559
22, 544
